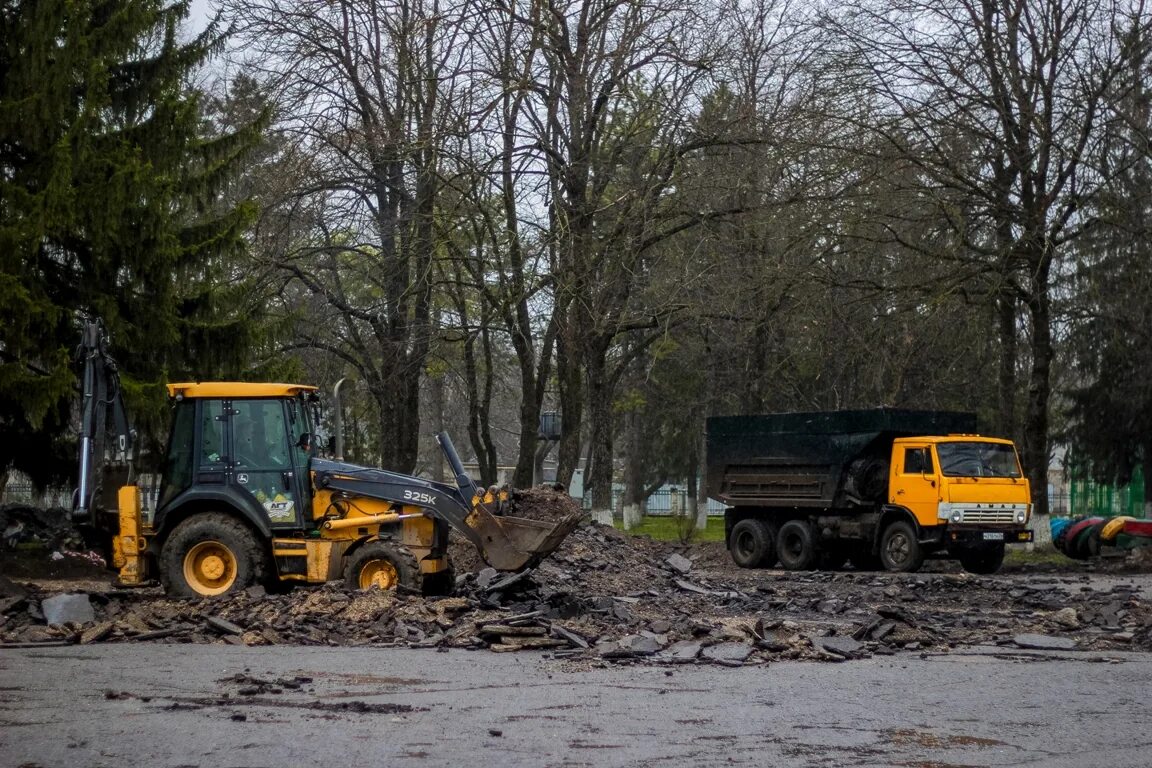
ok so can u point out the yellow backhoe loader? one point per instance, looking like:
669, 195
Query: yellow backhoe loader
244, 499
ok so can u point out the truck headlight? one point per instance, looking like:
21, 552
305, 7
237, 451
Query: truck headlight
1021, 516
957, 516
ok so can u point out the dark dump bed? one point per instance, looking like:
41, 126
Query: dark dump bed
800, 458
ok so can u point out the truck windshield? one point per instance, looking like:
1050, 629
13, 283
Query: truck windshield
978, 460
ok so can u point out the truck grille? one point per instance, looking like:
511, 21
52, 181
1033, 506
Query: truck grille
988, 516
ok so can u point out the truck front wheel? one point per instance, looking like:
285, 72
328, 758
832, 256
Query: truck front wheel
982, 561
210, 554
900, 549
796, 545
752, 544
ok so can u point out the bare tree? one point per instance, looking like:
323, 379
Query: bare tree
997, 103
613, 94
365, 90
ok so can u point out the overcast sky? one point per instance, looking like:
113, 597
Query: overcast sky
201, 12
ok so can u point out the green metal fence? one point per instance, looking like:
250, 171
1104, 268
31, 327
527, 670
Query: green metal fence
1089, 498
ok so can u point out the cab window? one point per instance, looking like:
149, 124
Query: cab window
178, 464
300, 431
259, 438
212, 432
918, 461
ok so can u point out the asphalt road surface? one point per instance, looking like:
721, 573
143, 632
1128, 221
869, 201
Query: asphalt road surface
219, 706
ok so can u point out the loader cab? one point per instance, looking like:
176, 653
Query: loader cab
241, 447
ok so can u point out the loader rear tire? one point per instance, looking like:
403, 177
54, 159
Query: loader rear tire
384, 565
211, 554
796, 545
752, 544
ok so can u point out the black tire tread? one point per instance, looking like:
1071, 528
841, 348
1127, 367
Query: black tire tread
407, 567
803, 560
915, 560
763, 554
251, 560
982, 563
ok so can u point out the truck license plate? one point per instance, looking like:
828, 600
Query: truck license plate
993, 536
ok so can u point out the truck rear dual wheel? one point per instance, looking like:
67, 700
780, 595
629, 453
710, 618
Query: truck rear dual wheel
796, 545
900, 548
211, 554
753, 544
384, 565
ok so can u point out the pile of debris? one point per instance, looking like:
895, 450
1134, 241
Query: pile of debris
51, 528
607, 597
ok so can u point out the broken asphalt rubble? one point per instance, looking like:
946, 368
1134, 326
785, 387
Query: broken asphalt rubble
605, 597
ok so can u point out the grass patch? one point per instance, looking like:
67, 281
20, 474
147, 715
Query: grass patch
668, 528
1040, 555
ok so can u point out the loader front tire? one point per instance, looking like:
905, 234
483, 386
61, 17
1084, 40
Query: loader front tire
210, 554
384, 565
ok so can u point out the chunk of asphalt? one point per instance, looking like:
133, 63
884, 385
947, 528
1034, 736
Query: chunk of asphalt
62, 609
727, 653
224, 626
678, 563
843, 646
682, 651
1044, 642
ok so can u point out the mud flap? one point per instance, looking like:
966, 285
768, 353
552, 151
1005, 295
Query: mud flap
515, 543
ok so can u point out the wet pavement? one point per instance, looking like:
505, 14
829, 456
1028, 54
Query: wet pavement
214, 705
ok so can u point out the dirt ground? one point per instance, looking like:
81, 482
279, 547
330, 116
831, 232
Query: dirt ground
608, 597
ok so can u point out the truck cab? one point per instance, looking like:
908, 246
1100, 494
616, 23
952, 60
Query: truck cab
959, 480
965, 492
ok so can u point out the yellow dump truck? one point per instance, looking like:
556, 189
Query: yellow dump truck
882, 488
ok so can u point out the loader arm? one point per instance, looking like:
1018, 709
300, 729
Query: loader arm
443, 501
506, 543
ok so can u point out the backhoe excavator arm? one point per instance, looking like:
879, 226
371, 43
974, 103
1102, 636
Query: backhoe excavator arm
101, 402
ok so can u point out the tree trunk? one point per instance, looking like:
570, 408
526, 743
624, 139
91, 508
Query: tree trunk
600, 436
1039, 384
1147, 469
525, 474
569, 380
633, 467
436, 406
1006, 383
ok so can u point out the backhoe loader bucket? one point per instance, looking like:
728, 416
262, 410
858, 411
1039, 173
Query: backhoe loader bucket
515, 543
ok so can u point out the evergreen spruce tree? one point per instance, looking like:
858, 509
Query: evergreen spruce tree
110, 187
